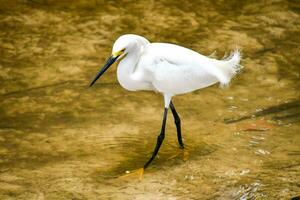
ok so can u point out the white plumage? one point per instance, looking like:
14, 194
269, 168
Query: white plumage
168, 68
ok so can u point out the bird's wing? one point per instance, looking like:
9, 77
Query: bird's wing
175, 70
187, 67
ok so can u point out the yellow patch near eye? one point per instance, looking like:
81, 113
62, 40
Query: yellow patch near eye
117, 53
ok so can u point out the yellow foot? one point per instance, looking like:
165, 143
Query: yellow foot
183, 153
135, 173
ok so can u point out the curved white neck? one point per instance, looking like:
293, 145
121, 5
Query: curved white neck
126, 69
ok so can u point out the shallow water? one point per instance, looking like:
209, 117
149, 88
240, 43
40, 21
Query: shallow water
60, 139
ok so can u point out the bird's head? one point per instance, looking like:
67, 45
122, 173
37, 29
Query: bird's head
122, 46
119, 51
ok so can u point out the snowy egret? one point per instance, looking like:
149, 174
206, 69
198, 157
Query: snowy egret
168, 69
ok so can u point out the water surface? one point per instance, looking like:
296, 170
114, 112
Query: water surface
60, 139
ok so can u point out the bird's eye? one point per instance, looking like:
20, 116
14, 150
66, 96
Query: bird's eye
123, 50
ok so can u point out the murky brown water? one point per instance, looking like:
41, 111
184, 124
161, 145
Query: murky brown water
60, 139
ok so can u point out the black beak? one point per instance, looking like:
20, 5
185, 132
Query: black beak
108, 63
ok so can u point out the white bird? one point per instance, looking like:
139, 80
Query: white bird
168, 69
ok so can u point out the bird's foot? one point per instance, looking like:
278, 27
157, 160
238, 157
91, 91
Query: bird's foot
183, 154
139, 173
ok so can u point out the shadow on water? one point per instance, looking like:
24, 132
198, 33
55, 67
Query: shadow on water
169, 156
42, 87
286, 112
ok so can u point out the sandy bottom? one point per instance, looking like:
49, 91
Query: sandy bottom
60, 139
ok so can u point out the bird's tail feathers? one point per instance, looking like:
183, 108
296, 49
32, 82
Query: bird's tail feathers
229, 67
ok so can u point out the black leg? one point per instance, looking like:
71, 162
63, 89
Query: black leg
177, 123
160, 139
